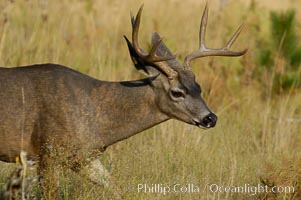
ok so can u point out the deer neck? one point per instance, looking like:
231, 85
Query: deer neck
125, 109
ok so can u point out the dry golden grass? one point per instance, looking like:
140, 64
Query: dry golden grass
256, 139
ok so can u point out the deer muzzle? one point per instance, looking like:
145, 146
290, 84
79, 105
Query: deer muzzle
209, 121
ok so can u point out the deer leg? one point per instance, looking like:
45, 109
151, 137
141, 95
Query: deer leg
96, 173
49, 174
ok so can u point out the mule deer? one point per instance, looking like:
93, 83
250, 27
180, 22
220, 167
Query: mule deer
51, 109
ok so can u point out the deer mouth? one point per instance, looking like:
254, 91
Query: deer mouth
209, 121
199, 124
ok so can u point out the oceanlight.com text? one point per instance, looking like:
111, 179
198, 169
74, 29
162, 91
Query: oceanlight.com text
250, 189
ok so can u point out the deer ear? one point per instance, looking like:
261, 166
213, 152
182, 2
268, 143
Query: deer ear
163, 51
138, 63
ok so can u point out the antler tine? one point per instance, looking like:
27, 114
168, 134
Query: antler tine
203, 26
132, 19
154, 48
135, 25
234, 37
151, 57
203, 51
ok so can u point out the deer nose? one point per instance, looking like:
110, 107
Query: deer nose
209, 121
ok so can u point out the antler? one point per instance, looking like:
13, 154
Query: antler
204, 51
150, 57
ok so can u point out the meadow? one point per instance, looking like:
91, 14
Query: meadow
258, 135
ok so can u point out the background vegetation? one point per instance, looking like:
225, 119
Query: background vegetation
257, 97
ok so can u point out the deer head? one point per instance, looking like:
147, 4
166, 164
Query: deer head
178, 95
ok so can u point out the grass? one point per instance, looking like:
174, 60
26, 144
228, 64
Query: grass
257, 138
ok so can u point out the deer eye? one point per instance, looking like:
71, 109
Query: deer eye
177, 94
